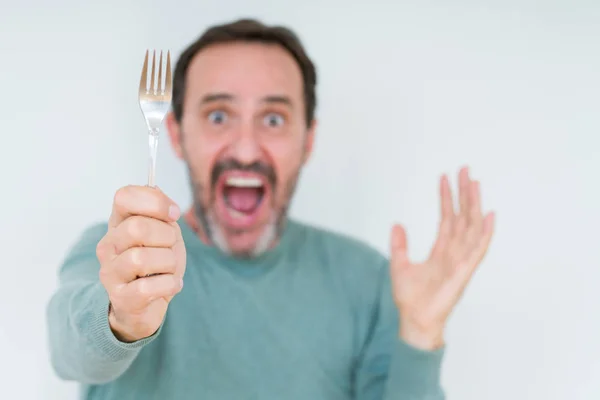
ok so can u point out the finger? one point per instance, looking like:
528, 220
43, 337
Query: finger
137, 295
145, 201
105, 250
398, 244
478, 253
447, 219
475, 202
143, 231
457, 245
142, 261
464, 183
447, 205
180, 257
475, 226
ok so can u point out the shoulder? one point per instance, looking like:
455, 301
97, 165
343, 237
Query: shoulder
79, 263
338, 249
353, 270
83, 247
89, 237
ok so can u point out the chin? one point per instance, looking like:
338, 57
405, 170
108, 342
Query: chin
244, 243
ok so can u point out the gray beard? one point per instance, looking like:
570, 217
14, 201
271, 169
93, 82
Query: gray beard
215, 234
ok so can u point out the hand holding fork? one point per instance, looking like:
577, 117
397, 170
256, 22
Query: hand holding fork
142, 256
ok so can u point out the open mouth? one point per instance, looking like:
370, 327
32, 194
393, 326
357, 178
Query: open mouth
243, 195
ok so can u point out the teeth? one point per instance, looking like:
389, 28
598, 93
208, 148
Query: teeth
235, 214
239, 181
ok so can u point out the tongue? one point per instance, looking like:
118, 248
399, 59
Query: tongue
242, 199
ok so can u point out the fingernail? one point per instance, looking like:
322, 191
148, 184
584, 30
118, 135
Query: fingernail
174, 212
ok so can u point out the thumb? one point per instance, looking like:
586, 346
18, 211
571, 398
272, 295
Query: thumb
399, 250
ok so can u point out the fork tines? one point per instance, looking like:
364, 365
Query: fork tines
160, 88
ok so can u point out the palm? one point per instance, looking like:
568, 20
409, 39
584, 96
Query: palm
425, 293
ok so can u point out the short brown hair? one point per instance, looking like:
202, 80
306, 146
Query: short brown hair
248, 30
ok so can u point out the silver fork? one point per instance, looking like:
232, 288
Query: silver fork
155, 100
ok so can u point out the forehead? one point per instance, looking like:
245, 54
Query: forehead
245, 70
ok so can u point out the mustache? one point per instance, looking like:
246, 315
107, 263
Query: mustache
233, 165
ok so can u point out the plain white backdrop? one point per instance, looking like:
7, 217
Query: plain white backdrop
407, 91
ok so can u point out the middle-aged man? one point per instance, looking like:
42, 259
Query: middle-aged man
272, 308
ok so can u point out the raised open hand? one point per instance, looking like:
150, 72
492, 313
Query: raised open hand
425, 293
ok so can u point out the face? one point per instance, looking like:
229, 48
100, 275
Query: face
244, 138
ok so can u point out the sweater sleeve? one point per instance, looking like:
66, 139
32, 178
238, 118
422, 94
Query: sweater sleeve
389, 368
81, 344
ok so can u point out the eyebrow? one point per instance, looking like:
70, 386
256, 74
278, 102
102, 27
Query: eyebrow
278, 99
213, 97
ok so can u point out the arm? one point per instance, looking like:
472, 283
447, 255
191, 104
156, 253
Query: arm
82, 345
423, 294
389, 368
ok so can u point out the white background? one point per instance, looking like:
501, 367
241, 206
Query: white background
407, 91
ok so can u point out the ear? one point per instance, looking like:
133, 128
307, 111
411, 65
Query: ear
309, 141
174, 130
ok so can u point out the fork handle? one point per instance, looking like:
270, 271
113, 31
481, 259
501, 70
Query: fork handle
153, 147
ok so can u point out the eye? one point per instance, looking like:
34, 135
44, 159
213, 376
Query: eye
217, 117
274, 120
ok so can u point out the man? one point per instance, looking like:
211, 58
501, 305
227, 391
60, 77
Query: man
272, 308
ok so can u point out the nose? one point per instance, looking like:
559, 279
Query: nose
245, 147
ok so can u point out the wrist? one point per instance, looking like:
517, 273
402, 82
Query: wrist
117, 329
428, 339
